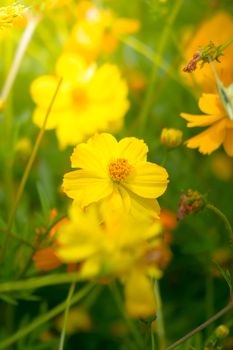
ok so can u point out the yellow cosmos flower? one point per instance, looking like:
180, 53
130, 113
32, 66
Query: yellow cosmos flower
117, 248
90, 99
218, 29
97, 31
220, 126
115, 172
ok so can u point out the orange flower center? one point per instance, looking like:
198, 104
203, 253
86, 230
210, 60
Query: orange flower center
79, 97
119, 169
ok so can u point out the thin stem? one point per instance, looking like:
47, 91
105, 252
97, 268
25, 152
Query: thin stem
20, 239
152, 338
38, 282
162, 45
226, 44
202, 326
66, 313
27, 35
224, 219
45, 318
159, 319
128, 321
27, 172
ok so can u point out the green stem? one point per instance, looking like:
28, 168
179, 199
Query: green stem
26, 173
68, 303
226, 44
27, 35
162, 45
152, 338
20, 239
159, 319
39, 282
45, 318
202, 326
128, 321
224, 219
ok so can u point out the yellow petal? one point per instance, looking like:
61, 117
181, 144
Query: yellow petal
139, 296
85, 187
126, 26
43, 89
70, 66
149, 180
144, 208
133, 149
210, 104
228, 142
200, 120
96, 154
210, 139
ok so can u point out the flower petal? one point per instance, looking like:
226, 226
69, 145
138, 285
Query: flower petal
96, 154
140, 300
211, 104
210, 139
200, 120
133, 149
149, 180
228, 142
85, 187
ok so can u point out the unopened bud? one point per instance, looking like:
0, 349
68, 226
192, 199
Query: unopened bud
222, 331
171, 138
190, 202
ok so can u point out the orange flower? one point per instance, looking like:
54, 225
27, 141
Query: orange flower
218, 29
220, 126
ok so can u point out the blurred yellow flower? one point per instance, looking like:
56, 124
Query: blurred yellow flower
90, 99
116, 248
97, 31
171, 138
220, 126
115, 172
9, 15
218, 29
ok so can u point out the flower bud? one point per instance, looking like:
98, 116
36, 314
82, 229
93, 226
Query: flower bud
222, 331
190, 202
171, 138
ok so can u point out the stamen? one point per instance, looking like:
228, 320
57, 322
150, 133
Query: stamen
119, 169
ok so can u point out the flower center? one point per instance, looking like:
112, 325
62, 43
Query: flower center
79, 97
119, 169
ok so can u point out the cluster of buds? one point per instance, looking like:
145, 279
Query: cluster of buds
171, 138
205, 54
10, 14
190, 202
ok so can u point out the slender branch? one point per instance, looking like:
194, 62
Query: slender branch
160, 320
45, 318
27, 35
27, 172
226, 44
68, 303
38, 282
224, 219
202, 326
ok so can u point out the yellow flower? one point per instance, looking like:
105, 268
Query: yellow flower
220, 126
208, 31
115, 172
171, 138
9, 15
90, 99
97, 31
117, 248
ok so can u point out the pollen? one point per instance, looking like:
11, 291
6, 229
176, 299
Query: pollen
119, 169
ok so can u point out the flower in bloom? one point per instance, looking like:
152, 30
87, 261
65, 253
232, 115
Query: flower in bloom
90, 99
117, 248
209, 30
112, 172
97, 31
220, 126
